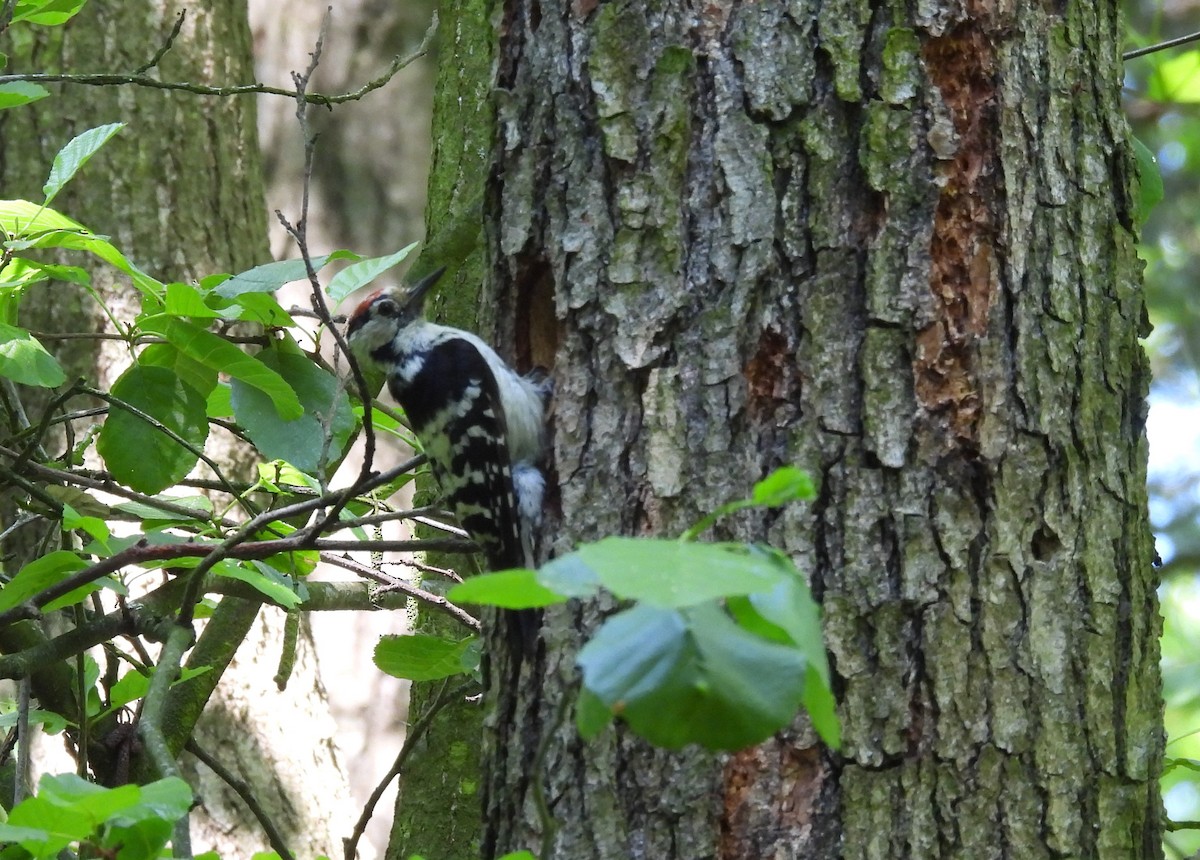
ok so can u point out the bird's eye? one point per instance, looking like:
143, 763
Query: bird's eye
387, 307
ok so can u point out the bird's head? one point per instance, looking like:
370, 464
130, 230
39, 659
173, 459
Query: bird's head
383, 313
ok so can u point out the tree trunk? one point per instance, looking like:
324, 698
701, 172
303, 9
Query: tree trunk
896, 249
180, 192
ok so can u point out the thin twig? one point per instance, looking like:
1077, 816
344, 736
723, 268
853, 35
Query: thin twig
25, 750
166, 46
1161, 46
242, 790
390, 583
6, 14
106, 484
419, 728
108, 80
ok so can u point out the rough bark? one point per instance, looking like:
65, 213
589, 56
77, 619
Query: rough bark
893, 246
179, 191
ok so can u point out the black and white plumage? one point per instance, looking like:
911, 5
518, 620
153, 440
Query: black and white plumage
482, 424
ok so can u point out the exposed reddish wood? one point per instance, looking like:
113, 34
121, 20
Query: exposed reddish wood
962, 66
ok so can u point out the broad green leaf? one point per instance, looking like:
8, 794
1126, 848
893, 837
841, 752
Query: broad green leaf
50, 722
56, 826
786, 484
363, 272
1150, 181
46, 12
263, 578
184, 300
15, 93
822, 708
75, 595
692, 676
219, 354
169, 798
674, 574
75, 155
508, 589
262, 308
139, 454
141, 839
93, 526
220, 401
271, 276
591, 714
70, 790
23, 359
569, 576
1176, 79
130, 688
21, 272
202, 505
38, 575
300, 441
45, 228
199, 376
421, 658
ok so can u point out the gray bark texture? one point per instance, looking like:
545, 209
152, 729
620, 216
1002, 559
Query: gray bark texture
180, 191
891, 244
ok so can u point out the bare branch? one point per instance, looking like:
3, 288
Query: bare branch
166, 46
142, 80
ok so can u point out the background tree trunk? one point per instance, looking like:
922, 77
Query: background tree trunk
897, 250
368, 192
155, 189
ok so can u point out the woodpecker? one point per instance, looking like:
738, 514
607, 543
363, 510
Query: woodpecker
481, 424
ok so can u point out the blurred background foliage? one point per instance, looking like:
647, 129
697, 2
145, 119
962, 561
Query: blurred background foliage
1162, 99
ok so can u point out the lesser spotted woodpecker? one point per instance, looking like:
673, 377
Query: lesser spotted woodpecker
482, 424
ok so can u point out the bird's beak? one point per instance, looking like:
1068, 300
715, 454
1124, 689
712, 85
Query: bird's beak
416, 293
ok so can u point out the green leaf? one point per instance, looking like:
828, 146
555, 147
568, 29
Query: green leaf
271, 276
15, 93
199, 376
130, 688
50, 722
75, 155
169, 798
138, 840
1150, 181
692, 676
822, 708
569, 576
219, 354
363, 272
202, 505
46, 12
591, 714
23, 359
674, 574
509, 589
300, 441
41, 227
787, 484
139, 454
263, 578
93, 526
184, 300
38, 575
1176, 80
421, 658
